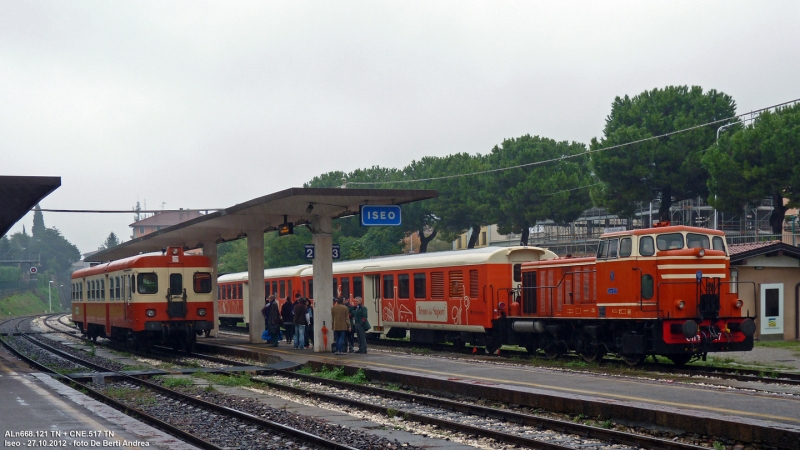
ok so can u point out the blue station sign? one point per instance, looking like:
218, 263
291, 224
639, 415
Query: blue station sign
380, 215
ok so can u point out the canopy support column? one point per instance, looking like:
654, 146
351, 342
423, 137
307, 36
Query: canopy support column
321, 229
210, 250
255, 272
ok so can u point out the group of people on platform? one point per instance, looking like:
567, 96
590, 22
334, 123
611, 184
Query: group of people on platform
296, 316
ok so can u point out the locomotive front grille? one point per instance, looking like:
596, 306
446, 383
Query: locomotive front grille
709, 306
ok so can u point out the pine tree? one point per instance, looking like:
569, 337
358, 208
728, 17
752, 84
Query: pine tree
38, 222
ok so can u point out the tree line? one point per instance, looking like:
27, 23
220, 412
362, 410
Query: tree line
659, 145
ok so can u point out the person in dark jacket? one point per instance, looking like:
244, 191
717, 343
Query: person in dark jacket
299, 317
361, 324
349, 339
310, 320
272, 320
287, 315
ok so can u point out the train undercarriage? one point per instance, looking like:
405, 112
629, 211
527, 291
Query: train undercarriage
179, 335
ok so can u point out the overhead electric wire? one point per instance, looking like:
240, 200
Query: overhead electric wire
126, 211
536, 163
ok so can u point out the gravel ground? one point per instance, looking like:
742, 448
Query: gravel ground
767, 356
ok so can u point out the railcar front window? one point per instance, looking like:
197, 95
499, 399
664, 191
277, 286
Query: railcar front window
671, 241
175, 284
646, 247
625, 247
613, 246
202, 282
694, 240
148, 283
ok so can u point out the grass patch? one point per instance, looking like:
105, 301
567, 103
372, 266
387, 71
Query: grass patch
240, 379
137, 396
793, 346
24, 304
336, 373
172, 382
420, 351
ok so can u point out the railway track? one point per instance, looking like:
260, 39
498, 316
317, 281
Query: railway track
186, 416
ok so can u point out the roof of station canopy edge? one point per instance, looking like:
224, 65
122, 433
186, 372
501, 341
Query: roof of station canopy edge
296, 205
19, 194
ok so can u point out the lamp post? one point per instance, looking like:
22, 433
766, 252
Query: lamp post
49, 295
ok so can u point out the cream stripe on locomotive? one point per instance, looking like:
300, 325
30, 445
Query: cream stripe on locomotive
691, 266
671, 276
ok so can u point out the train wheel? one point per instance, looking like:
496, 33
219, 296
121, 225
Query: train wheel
551, 351
680, 360
591, 354
633, 360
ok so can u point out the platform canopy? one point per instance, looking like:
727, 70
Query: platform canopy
19, 194
297, 205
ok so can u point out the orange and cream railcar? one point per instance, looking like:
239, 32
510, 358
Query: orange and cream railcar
233, 288
145, 299
455, 296
657, 291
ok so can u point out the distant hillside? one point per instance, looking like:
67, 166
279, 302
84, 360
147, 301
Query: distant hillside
23, 304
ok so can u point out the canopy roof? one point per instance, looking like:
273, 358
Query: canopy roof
19, 194
298, 205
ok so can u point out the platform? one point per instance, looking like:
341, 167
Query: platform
41, 412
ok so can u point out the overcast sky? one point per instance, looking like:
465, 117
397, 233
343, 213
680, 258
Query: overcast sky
208, 104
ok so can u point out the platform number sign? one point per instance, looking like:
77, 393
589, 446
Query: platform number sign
336, 251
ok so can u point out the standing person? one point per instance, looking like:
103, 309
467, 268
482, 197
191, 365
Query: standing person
265, 313
361, 324
300, 323
340, 319
273, 321
310, 320
349, 339
287, 315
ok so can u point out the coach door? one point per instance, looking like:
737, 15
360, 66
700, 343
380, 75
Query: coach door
372, 298
176, 293
127, 296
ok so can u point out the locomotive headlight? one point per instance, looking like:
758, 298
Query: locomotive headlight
150, 313
680, 304
702, 252
739, 303
201, 312
501, 306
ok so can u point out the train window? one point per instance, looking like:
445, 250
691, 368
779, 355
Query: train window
403, 288
358, 287
625, 247
202, 282
304, 288
310, 288
602, 249
148, 283
473, 283
283, 288
646, 247
275, 288
388, 286
335, 288
437, 285
694, 240
266, 289
118, 291
517, 272
647, 286
345, 287
241, 291
671, 241
102, 289
175, 284
613, 246
419, 286
111, 288
93, 291
456, 283
718, 243
288, 288
132, 284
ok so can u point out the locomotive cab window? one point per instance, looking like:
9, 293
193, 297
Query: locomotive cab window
646, 246
718, 243
517, 272
670, 241
602, 249
148, 283
625, 247
694, 240
613, 248
202, 282
403, 285
647, 286
175, 284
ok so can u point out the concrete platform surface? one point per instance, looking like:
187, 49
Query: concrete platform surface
40, 412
